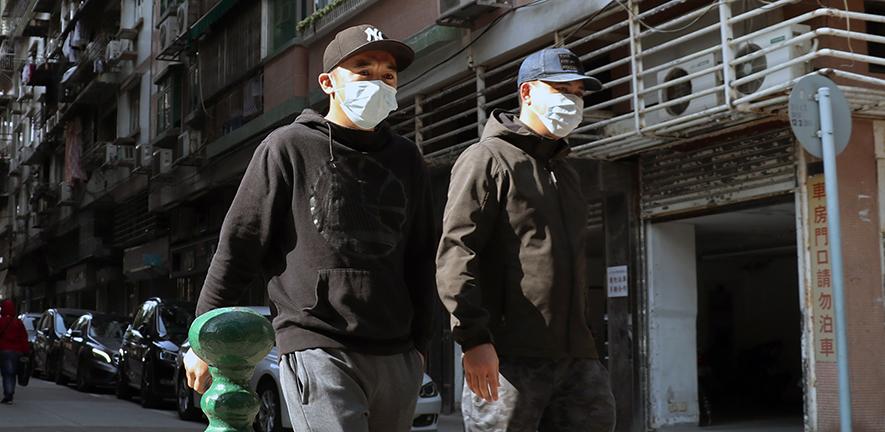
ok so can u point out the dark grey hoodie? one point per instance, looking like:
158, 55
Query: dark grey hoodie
511, 266
339, 222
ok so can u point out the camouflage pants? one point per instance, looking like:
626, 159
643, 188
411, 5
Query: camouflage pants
569, 395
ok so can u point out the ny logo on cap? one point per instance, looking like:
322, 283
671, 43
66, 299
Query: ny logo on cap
373, 34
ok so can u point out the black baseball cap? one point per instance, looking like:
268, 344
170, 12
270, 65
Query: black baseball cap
362, 38
555, 65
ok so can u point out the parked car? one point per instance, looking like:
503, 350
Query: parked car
90, 351
149, 350
273, 414
53, 324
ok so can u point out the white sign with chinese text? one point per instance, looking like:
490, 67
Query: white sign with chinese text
617, 281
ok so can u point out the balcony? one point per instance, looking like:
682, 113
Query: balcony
330, 17
676, 71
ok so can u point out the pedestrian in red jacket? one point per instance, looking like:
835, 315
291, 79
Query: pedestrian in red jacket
13, 343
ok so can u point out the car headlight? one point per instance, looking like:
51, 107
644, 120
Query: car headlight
101, 354
428, 390
167, 356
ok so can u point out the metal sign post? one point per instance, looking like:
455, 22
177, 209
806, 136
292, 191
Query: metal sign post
816, 104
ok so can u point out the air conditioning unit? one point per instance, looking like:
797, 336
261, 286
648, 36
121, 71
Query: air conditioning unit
182, 18
22, 213
144, 154
168, 33
34, 221
114, 51
694, 85
189, 143
162, 162
110, 154
184, 148
776, 57
461, 13
126, 155
65, 194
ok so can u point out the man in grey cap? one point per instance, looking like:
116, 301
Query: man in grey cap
511, 267
334, 212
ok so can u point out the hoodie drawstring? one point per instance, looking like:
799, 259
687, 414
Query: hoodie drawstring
331, 153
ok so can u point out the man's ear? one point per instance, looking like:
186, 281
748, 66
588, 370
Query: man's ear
325, 80
524, 94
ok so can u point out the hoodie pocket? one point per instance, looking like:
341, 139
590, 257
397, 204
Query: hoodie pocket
359, 303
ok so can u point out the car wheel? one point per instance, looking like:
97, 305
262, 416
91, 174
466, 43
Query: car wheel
269, 418
149, 398
60, 377
186, 406
82, 381
123, 390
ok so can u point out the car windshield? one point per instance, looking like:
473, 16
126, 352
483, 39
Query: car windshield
108, 331
174, 322
29, 324
65, 323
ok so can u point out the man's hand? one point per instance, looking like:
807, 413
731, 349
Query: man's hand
197, 371
481, 371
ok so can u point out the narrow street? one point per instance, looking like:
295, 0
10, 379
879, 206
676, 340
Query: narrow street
43, 406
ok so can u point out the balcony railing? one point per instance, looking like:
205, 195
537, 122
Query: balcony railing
325, 19
672, 71
681, 72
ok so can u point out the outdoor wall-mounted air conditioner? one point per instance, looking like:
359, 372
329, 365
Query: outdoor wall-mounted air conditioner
144, 154
189, 143
162, 162
776, 57
114, 51
34, 221
65, 194
694, 85
182, 18
168, 33
460, 13
119, 155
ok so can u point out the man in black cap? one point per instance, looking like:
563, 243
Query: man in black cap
511, 267
334, 212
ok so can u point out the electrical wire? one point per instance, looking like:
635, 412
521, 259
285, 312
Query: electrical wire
660, 30
472, 41
564, 39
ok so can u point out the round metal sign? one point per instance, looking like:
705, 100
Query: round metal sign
805, 114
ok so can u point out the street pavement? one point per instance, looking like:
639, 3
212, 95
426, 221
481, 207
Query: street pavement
46, 407
43, 406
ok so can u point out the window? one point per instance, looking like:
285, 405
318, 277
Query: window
284, 20
108, 331
174, 322
134, 111
168, 104
141, 315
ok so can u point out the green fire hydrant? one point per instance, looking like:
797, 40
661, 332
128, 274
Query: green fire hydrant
232, 341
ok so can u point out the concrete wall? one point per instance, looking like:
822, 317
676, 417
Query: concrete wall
672, 280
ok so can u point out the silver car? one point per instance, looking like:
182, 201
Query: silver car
273, 416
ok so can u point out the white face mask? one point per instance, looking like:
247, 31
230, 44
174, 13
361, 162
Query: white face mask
560, 113
366, 103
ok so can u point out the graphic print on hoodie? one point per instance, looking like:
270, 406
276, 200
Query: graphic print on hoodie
357, 216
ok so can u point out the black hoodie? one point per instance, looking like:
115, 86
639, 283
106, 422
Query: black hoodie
511, 266
339, 222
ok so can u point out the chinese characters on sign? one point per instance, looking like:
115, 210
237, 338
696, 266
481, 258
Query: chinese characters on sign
821, 279
617, 281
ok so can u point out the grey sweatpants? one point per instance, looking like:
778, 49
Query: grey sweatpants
570, 395
328, 390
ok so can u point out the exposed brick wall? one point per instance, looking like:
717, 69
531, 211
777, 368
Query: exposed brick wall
863, 292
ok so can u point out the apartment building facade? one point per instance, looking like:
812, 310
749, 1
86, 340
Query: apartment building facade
125, 145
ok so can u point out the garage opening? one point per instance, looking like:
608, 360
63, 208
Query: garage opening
725, 299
